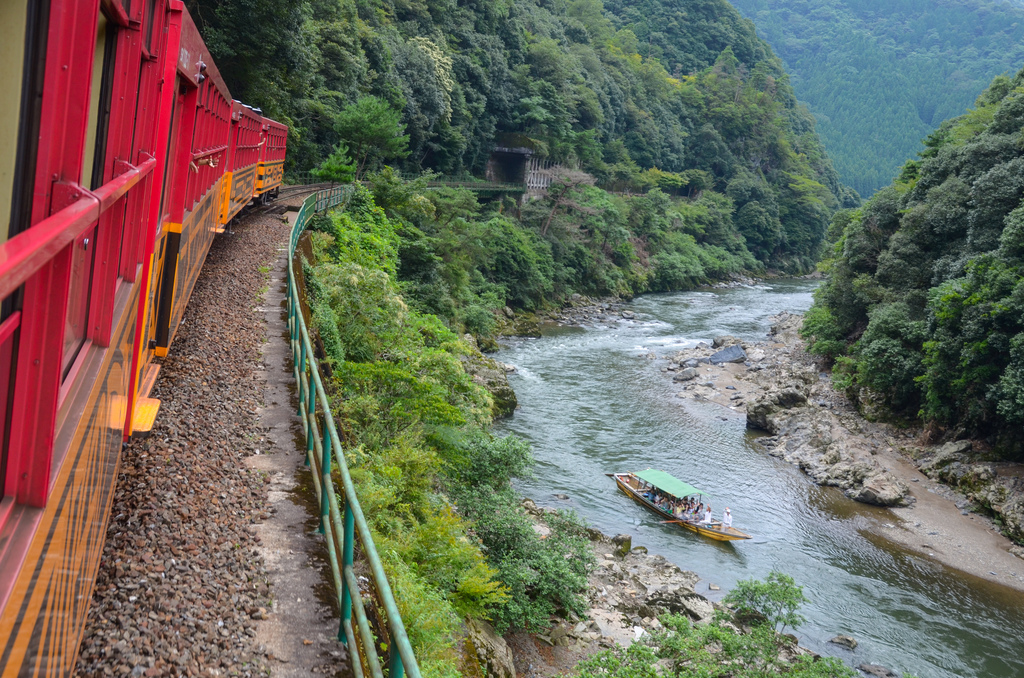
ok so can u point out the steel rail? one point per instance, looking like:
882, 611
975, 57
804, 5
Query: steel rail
342, 523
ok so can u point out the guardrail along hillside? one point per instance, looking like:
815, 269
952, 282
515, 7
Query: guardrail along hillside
342, 525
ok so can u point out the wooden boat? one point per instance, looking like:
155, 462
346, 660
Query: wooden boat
633, 484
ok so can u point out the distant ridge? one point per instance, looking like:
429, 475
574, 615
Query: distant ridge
879, 77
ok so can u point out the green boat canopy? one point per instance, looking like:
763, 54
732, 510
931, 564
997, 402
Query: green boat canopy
667, 483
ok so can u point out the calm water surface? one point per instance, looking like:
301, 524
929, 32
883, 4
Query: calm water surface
591, 403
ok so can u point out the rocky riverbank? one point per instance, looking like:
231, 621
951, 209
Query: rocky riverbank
948, 501
629, 589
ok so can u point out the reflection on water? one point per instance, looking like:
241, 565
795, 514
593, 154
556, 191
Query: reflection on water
591, 403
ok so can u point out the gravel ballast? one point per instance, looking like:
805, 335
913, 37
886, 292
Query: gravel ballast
183, 583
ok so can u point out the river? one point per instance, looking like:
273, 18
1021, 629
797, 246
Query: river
591, 403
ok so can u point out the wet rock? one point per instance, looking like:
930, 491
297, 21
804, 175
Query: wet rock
846, 641
731, 354
877, 671
628, 315
723, 341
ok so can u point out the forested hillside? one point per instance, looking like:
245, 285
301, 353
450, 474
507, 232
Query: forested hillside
923, 310
714, 118
880, 76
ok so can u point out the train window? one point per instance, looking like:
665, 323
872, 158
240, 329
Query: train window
14, 32
99, 104
92, 176
150, 17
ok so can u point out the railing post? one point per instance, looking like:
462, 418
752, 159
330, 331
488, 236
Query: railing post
302, 371
395, 667
325, 483
310, 414
346, 560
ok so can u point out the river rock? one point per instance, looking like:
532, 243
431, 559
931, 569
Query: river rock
491, 650
724, 340
493, 376
732, 354
945, 455
628, 315
878, 671
531, 507
680, 600
845, 641
623, 544
686, 374
880, 488
759, 412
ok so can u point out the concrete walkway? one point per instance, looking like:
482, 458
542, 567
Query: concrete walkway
300, 630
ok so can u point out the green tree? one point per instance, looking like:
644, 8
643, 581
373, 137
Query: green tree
777, 598
338, 167
374, 132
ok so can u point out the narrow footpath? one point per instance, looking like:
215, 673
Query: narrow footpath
213, 565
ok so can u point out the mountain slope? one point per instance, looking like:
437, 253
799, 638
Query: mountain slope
573, 81
923, 309
879, 76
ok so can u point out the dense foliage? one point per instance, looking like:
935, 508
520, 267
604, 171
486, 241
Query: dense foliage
924, 306
433, 483
572, 80
880, 76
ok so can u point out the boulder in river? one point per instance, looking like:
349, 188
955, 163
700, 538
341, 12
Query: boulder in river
731, 354
878, 671
846, 641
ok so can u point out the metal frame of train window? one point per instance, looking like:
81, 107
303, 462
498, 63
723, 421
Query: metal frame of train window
36, 32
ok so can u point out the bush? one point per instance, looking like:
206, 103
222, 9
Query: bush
777, 599
681, 648
544, 577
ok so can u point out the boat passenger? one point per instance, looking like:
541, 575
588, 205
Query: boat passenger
707, 520
727, 518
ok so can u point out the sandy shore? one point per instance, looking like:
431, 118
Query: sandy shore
936, 523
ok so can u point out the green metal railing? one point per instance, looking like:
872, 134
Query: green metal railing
342, 525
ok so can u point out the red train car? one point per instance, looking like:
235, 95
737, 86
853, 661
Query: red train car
243, 158
116, 136
270, 170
